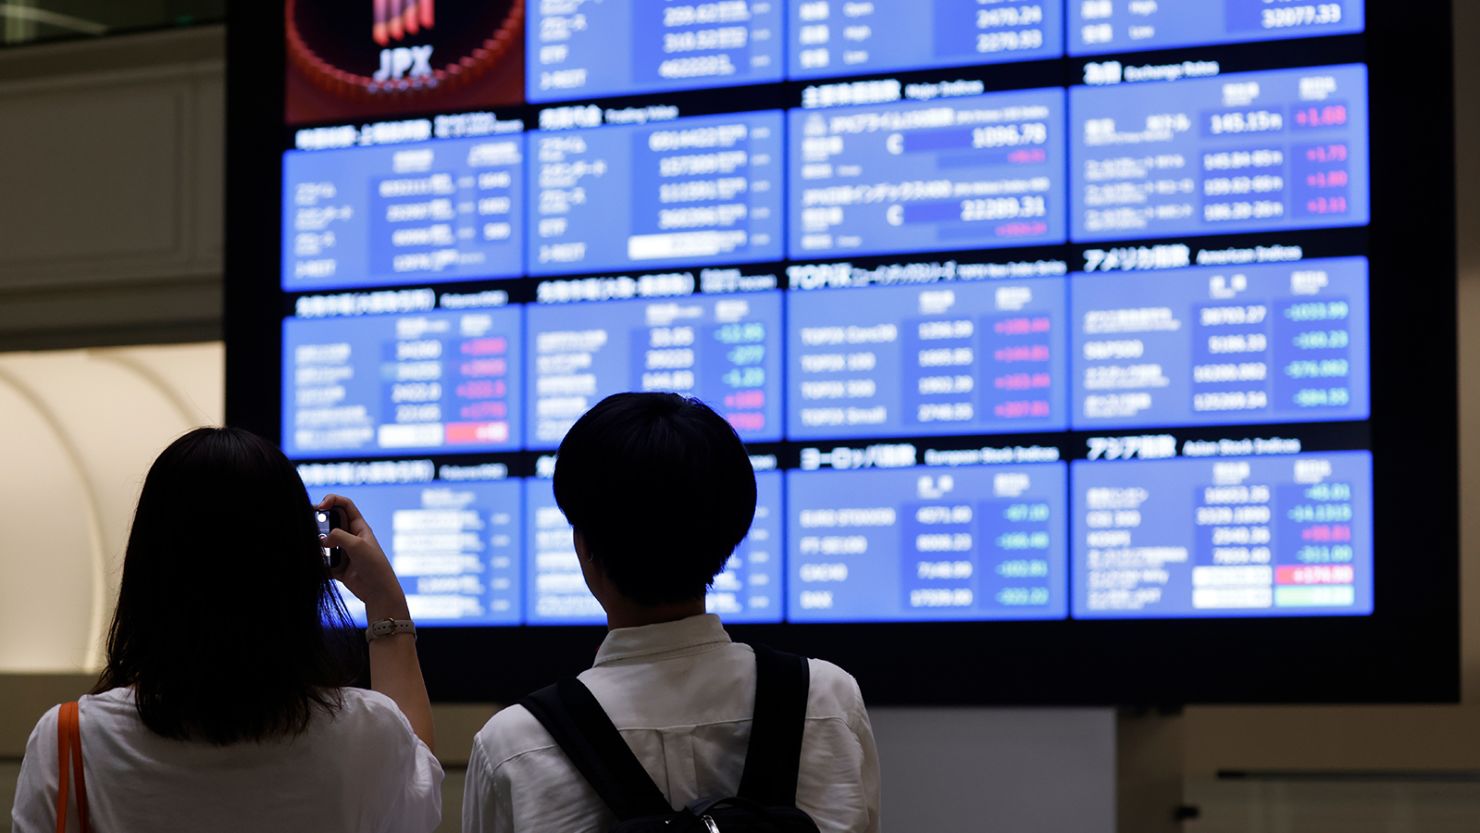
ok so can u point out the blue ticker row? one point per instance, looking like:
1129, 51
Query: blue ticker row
1201, 346
1175, 538
1244, 152
668, 46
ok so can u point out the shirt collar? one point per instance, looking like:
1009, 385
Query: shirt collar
683, 636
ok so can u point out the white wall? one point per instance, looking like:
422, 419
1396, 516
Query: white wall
1007, 770
81, 428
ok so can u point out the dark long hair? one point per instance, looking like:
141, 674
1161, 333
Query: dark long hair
228, 625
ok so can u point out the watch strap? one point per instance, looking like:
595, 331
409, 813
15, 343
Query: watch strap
381, 628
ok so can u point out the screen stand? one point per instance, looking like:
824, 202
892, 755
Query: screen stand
1149, 759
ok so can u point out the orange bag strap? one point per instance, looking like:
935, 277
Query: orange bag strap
69, 756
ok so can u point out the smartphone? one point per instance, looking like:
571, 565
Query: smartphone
328, 520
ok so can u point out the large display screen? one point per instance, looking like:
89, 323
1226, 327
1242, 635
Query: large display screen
1047, 311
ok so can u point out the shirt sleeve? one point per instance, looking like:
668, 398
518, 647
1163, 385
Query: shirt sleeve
486, 807
863, 730
838, 785
36, 790
412, 780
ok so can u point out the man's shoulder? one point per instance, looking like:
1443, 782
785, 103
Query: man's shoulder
833, 692
513, 731
510, 733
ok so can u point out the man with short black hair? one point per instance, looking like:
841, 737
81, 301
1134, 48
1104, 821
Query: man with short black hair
660, 491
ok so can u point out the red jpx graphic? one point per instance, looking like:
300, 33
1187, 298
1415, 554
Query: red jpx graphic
400, 19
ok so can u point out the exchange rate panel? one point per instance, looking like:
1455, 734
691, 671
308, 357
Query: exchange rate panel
748, 590
690, 192
1269, 343
1255, 151
958, 358
927, 544
976, 172
402, 384
1251, 536
842, 37
591, 49
1101, 26
456, 547
423, 213
724, 349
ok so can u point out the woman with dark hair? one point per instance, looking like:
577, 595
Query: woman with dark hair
224, 704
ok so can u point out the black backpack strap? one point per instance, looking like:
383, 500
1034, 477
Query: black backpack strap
775, 756
571, 715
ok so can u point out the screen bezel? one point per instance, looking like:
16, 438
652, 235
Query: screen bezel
1406, 651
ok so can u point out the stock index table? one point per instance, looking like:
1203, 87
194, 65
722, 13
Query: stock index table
1257, 151
1026, 309
842, 37
681, 193
975, 172
664, 46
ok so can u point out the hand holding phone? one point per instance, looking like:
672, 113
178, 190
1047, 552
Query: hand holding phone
365, 570
328, 520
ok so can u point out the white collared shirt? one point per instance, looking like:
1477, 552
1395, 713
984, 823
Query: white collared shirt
682, 695
360, 770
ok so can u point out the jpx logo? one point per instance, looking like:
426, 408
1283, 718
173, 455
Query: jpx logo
404, 62
396, 20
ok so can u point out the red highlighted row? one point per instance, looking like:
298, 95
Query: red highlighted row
1315, 574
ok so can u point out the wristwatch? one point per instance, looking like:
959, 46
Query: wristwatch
389, 627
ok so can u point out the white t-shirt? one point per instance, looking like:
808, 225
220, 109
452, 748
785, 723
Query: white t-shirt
361, 770
682, 695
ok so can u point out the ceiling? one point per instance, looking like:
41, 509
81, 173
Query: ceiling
34, 21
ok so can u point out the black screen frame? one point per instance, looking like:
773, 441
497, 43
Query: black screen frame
1407, 651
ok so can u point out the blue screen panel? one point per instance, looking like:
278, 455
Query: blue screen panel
1254, 536
380, 216
689, 192
591, 48
555, 589
1256, 151
455, 546
959, 358
376, 385
842, 37
964, 173
1215, 346
724, 349
927, 544
1100, 26
747, 591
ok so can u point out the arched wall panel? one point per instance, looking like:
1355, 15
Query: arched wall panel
81, 429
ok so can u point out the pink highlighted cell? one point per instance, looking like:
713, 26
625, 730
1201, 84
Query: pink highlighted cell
746, 399
483, 389
491, 346
1024, 381
1327, 533
484, 410
1033, 409
747, 421
1315, 574
466, 433
485, 367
